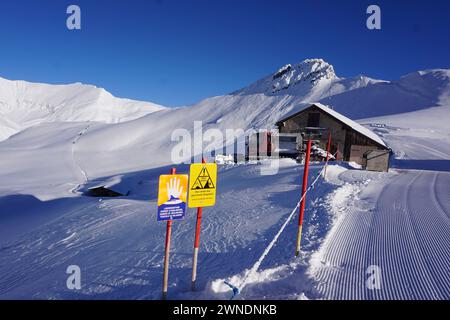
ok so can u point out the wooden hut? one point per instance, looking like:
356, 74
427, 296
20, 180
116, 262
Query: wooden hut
350, 140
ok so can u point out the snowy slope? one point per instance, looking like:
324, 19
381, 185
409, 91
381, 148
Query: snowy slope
125, 234
46, 224
24, 104
245, 110
110, 149
7, 128
353, 221
419, 139
415, 91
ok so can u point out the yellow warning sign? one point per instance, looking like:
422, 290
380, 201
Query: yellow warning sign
202, 185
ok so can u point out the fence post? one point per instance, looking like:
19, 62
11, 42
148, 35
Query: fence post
302, 203
167, 252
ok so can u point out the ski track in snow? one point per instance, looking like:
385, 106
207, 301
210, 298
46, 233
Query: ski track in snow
407, 235
77, 164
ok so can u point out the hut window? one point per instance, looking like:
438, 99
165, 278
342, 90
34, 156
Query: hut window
313, 119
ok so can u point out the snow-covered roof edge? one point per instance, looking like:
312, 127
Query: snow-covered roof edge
349, 122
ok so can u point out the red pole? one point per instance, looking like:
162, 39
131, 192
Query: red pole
167, 252
302, 203
328, 155
196, 243
328, 146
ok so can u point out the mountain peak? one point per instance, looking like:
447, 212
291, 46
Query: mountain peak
310, 70
301, 76
307, 68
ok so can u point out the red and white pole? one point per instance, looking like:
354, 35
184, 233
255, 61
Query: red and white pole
328, 156
167, 252
302, 203
196, 243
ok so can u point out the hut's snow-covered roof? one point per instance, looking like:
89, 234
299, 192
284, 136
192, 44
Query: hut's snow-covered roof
349, 122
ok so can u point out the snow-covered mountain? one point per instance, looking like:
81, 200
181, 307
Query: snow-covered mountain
24, 104
67, 140
104, 149
261, 104
311, 78
412, 92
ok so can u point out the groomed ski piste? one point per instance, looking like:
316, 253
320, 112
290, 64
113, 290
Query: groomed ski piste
398, 221
355, 220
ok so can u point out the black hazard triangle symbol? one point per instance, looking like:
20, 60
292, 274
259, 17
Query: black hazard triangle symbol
203, 181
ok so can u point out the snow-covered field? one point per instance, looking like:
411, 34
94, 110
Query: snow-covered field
397, 221
119, 244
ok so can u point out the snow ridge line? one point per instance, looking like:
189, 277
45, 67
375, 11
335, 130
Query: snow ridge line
258, 263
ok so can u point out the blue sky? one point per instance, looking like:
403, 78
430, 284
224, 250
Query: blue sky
176, 52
